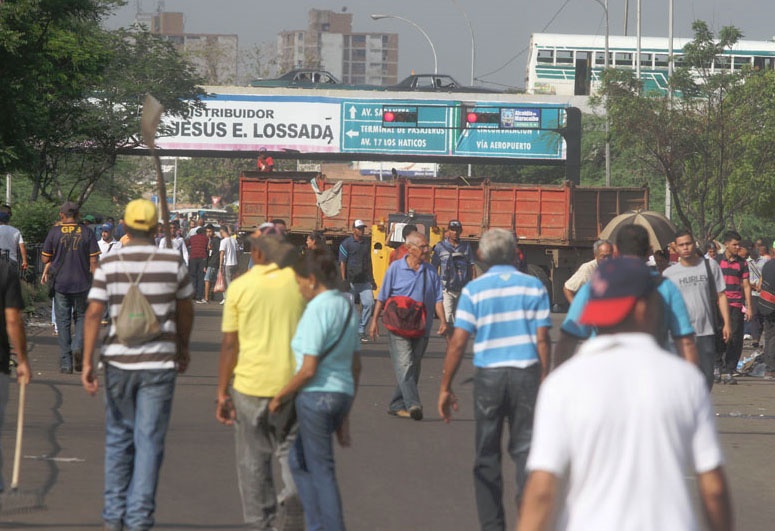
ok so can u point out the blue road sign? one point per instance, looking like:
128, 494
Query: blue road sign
427, 133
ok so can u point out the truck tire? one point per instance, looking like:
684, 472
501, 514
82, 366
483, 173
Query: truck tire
540, 274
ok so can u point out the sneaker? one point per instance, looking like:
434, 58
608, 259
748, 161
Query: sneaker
727, 379
415, 412
364, 339
199, 301
401, 413
716, 376
222, 301
747, 337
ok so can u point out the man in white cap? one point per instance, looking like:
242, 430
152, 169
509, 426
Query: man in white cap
618, 426
355, 267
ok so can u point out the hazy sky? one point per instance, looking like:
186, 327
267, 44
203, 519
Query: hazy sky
502, 28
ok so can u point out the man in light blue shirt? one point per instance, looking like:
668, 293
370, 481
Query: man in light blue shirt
508, 312
633, 240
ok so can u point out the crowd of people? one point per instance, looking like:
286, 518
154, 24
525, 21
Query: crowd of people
583, 428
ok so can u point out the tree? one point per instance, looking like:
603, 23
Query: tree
73, 92
695, 137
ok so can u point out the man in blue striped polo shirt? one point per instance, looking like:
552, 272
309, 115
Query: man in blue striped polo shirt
508, 312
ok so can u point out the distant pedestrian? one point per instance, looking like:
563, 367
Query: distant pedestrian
618, 426
316, 240
738, 293
633, 241
12, 336
107, 244
178, 243
139, 379
72, 251
262, 310
415, 278
402, 250
507, 312
758, 255
454, 261
602, 250
11, 240
227, 252
265, 162
197, 260
767, 308
213, 262
326, 346
355, 269
711, 251
691, 275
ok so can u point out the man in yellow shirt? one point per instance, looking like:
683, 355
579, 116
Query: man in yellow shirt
260, 315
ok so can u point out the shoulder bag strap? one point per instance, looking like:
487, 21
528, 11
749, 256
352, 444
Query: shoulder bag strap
341, 334
713, 293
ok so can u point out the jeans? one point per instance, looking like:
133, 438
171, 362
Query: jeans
706, 350
757, 321
228, 274
501, 394
406, 355
4, 382
726, 362
197, 273
364, 292
256, 440
769, 342
312, 458
137, 413
69, 308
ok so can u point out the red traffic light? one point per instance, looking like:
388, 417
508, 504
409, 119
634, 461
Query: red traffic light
388, 116
471, 117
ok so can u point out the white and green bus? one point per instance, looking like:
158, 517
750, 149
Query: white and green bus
570, 65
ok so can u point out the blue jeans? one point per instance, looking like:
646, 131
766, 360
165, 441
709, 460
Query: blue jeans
406, 355
196, 270
137, 413
312, 459
500, 395
364, 292
256, 441
69, 308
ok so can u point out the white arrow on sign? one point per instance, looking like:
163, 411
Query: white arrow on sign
353, 112
352, 133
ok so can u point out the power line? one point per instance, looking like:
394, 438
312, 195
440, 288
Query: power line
523, 50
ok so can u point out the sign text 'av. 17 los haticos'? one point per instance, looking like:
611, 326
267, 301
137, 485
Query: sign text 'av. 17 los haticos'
250, 123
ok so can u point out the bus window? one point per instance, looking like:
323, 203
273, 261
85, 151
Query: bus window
600, 59
762, 63
721, 62
740, 62
564, 57
660, 60
678, 60
623, 59
645, 60
545, 56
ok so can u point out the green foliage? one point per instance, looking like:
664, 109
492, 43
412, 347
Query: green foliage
200, 179
34, 294
34, 219
507, 173
711, 144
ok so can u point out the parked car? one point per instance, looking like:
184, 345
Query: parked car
435, 83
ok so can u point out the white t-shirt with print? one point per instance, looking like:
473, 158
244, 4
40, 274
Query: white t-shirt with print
229, 246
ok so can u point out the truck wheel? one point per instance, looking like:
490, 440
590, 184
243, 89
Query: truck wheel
541, 275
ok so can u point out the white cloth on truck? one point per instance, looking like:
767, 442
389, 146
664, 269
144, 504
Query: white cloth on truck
329, 201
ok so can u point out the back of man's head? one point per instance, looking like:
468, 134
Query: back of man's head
407, 230
633, 240
498, 247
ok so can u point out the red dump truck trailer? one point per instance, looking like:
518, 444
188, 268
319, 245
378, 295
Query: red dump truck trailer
556, 225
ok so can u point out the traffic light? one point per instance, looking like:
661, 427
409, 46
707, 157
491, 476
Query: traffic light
404, 116
480, 117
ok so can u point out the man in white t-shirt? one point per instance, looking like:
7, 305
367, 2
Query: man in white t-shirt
619, 425
228, 259
690, 274
107, 243
11, 240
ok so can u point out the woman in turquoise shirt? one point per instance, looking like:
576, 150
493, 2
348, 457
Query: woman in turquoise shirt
328, 365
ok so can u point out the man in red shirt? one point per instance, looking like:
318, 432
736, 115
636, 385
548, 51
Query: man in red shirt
197, 262
265, 163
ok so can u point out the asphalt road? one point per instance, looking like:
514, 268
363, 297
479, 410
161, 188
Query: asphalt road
399, 474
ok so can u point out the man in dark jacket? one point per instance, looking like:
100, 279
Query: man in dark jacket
355, 267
